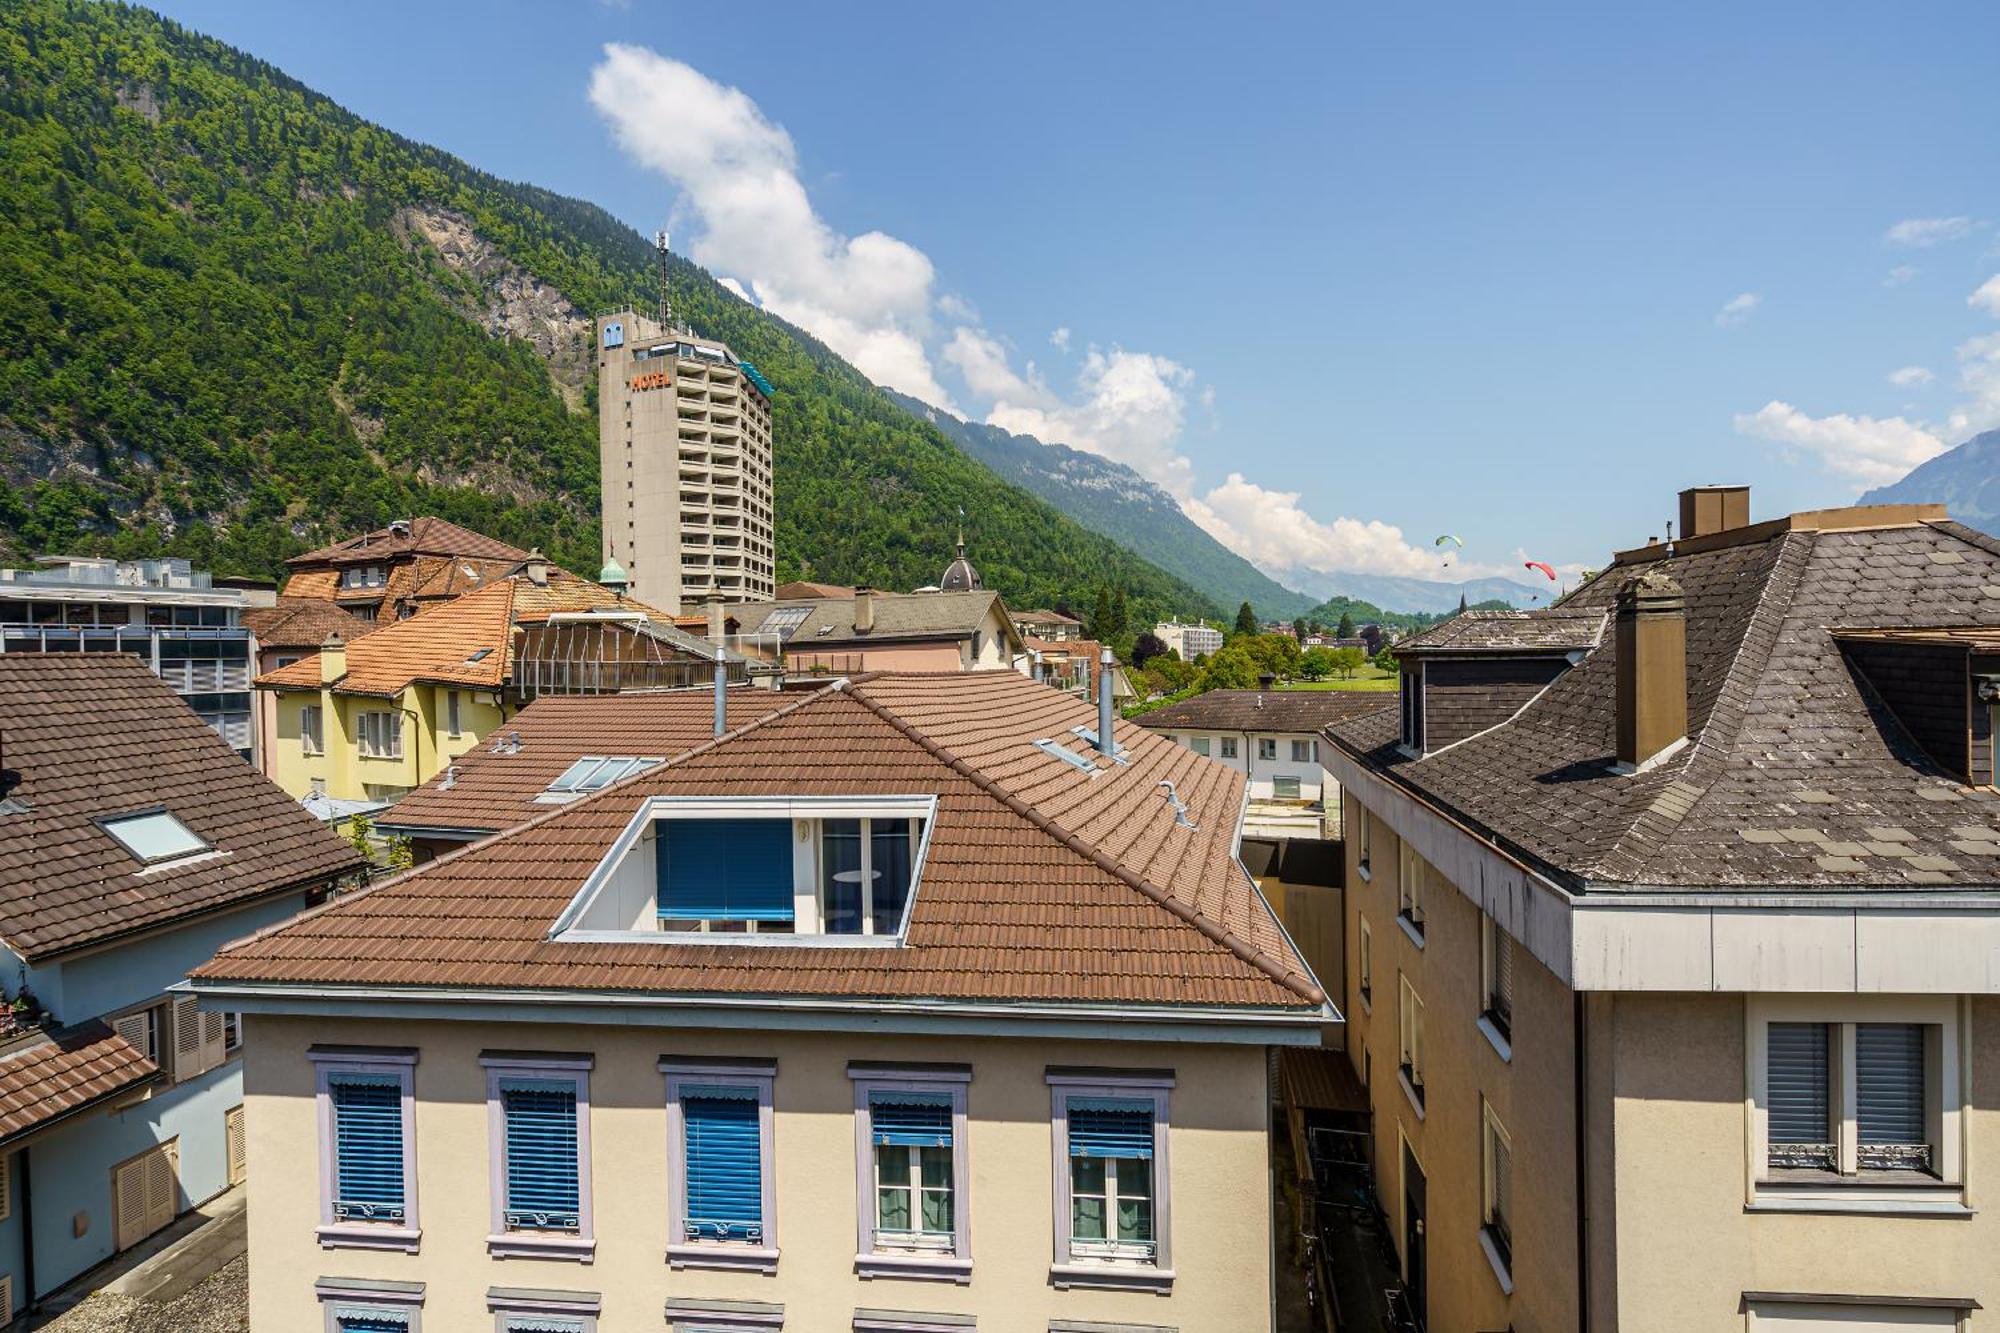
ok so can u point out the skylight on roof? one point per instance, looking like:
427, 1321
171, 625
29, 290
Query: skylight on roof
479, 656
594, 772
784, 621
154, 836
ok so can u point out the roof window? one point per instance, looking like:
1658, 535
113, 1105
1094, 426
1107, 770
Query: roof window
479, 656
759, 870
155, 836
592, 773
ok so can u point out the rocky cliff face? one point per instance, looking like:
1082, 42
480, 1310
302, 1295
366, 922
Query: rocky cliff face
505, 299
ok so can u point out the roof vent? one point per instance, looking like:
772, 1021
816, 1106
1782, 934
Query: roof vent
400, 527
1179, 806
450, 777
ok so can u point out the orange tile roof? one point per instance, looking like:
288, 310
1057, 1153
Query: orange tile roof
44, 1080
1042, 883
426, 536
301, 622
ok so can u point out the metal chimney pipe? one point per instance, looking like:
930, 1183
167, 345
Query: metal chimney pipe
721, 693
1104, 743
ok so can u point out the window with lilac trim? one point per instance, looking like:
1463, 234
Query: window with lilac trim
911, 1171
367, 1147
538, 1118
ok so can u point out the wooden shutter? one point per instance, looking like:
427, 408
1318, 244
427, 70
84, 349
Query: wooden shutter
213, 1045
137, 1030
145, 1192
186, 1039
235, 1145
7, 1297
6, 1197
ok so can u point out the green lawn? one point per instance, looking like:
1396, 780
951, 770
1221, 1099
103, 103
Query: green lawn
1367, 677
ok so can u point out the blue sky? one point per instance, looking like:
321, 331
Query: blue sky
1442, 269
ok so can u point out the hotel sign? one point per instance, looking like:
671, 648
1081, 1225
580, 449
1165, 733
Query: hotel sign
652, 379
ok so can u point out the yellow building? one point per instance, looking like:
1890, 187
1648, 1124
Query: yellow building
885, 1011
1672, 913
373, 718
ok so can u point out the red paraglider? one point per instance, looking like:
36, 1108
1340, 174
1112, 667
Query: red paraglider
1536, 564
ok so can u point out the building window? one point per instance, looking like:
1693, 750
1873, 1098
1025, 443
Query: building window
1410, 893
1496, 1233
538, 1113
452, 720
232, 1032
722, 1183
1199, 744
527, 1310
367, 1147
1496, 984
1305, 752
1267, 747
1364, 838
911, 1165
1364, 966
1411, 692
594, 773
380, 735
1410, 1059
1285, 789
1111, 1179
154, 836
1228, 750
358, 1305
1865, 1092
312, 729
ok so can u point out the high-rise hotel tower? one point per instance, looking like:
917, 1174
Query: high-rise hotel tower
684, 442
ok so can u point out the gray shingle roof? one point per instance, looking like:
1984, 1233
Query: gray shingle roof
1266, 710
1558, 630
920, 615
1795, 774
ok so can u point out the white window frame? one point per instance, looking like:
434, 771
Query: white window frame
1364, 839
867, 822
515, 1308
500, 1242
400, 1064
1228, 748
312, 729
953, 1264
1364, 964
1491, 1134
1267, 748
453, 721
1410, 1042
759, 1077
1492, 939
1850, 1190
1305, 752
386, 745
1074, 1269
1410, 872
350, 1298
1200, 745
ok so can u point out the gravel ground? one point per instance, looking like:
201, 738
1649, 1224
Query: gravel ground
220, 1304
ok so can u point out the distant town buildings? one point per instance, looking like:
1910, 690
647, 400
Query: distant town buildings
133, 843
181, 622
684, 437
1049, 626
393, 572
1190, 641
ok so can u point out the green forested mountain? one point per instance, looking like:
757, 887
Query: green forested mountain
237, 321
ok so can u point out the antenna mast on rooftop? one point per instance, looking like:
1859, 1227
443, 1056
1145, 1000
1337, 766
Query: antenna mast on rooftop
666, 301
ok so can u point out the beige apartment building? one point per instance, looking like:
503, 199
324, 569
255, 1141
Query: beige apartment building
684, 441
1672, 920
923, 1003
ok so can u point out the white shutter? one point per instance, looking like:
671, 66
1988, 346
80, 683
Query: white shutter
186, 1039
235, 1143
212, 1044
128, 1189
137, 1030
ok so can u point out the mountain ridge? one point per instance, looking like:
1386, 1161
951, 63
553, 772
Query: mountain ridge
1964, 479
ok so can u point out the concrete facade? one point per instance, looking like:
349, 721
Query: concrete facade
684, 435
1217, 1180
1268, 775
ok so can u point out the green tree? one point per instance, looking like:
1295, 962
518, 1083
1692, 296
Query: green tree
1344, 630
1385, 660
1349, 660
1121, 616
1299, 628
1100, 617
1316, 663
1233, 668
1246, 619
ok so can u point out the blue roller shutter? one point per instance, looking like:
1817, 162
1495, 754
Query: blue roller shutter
725, 869
372, 1323
368, 1147
542, 1185
1796, 1082
910, 1119
725, 1164
1103, 1127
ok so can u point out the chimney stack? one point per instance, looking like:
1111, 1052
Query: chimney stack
332, 659
1105, 745
864, 610
1652, 669
1711, 509
718, 626
537, 568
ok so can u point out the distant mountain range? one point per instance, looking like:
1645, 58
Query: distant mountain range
1966, 480
1398, 593
1116, 502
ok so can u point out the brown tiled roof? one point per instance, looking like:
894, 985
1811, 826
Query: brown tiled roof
495, 786
1044, 618
95, 735
1042, 882
1569, 628
45, 1079
1266, 710
439, 643
1794, 776
426, 536
802, 590
301, 622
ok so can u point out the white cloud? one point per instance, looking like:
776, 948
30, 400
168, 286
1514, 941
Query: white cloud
1979, 381
1869, 450
1738, 308
735, 287
1900, 274
1922, 233
1060, 338
1910, 377
1987, 298
868, 297
1271, 528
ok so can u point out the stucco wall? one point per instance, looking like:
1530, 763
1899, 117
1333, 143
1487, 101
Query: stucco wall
1218, 1165
1682, 1149
346, 773
1312, 777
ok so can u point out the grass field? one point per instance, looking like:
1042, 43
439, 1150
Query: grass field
1369, 677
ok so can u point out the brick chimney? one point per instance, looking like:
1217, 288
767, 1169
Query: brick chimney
864, 610
1709, 509
332, 659
537, 569
1652, 668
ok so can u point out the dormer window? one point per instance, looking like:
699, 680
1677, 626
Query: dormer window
757, 868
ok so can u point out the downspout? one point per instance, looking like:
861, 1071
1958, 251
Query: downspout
27, 1237
1582, 1169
